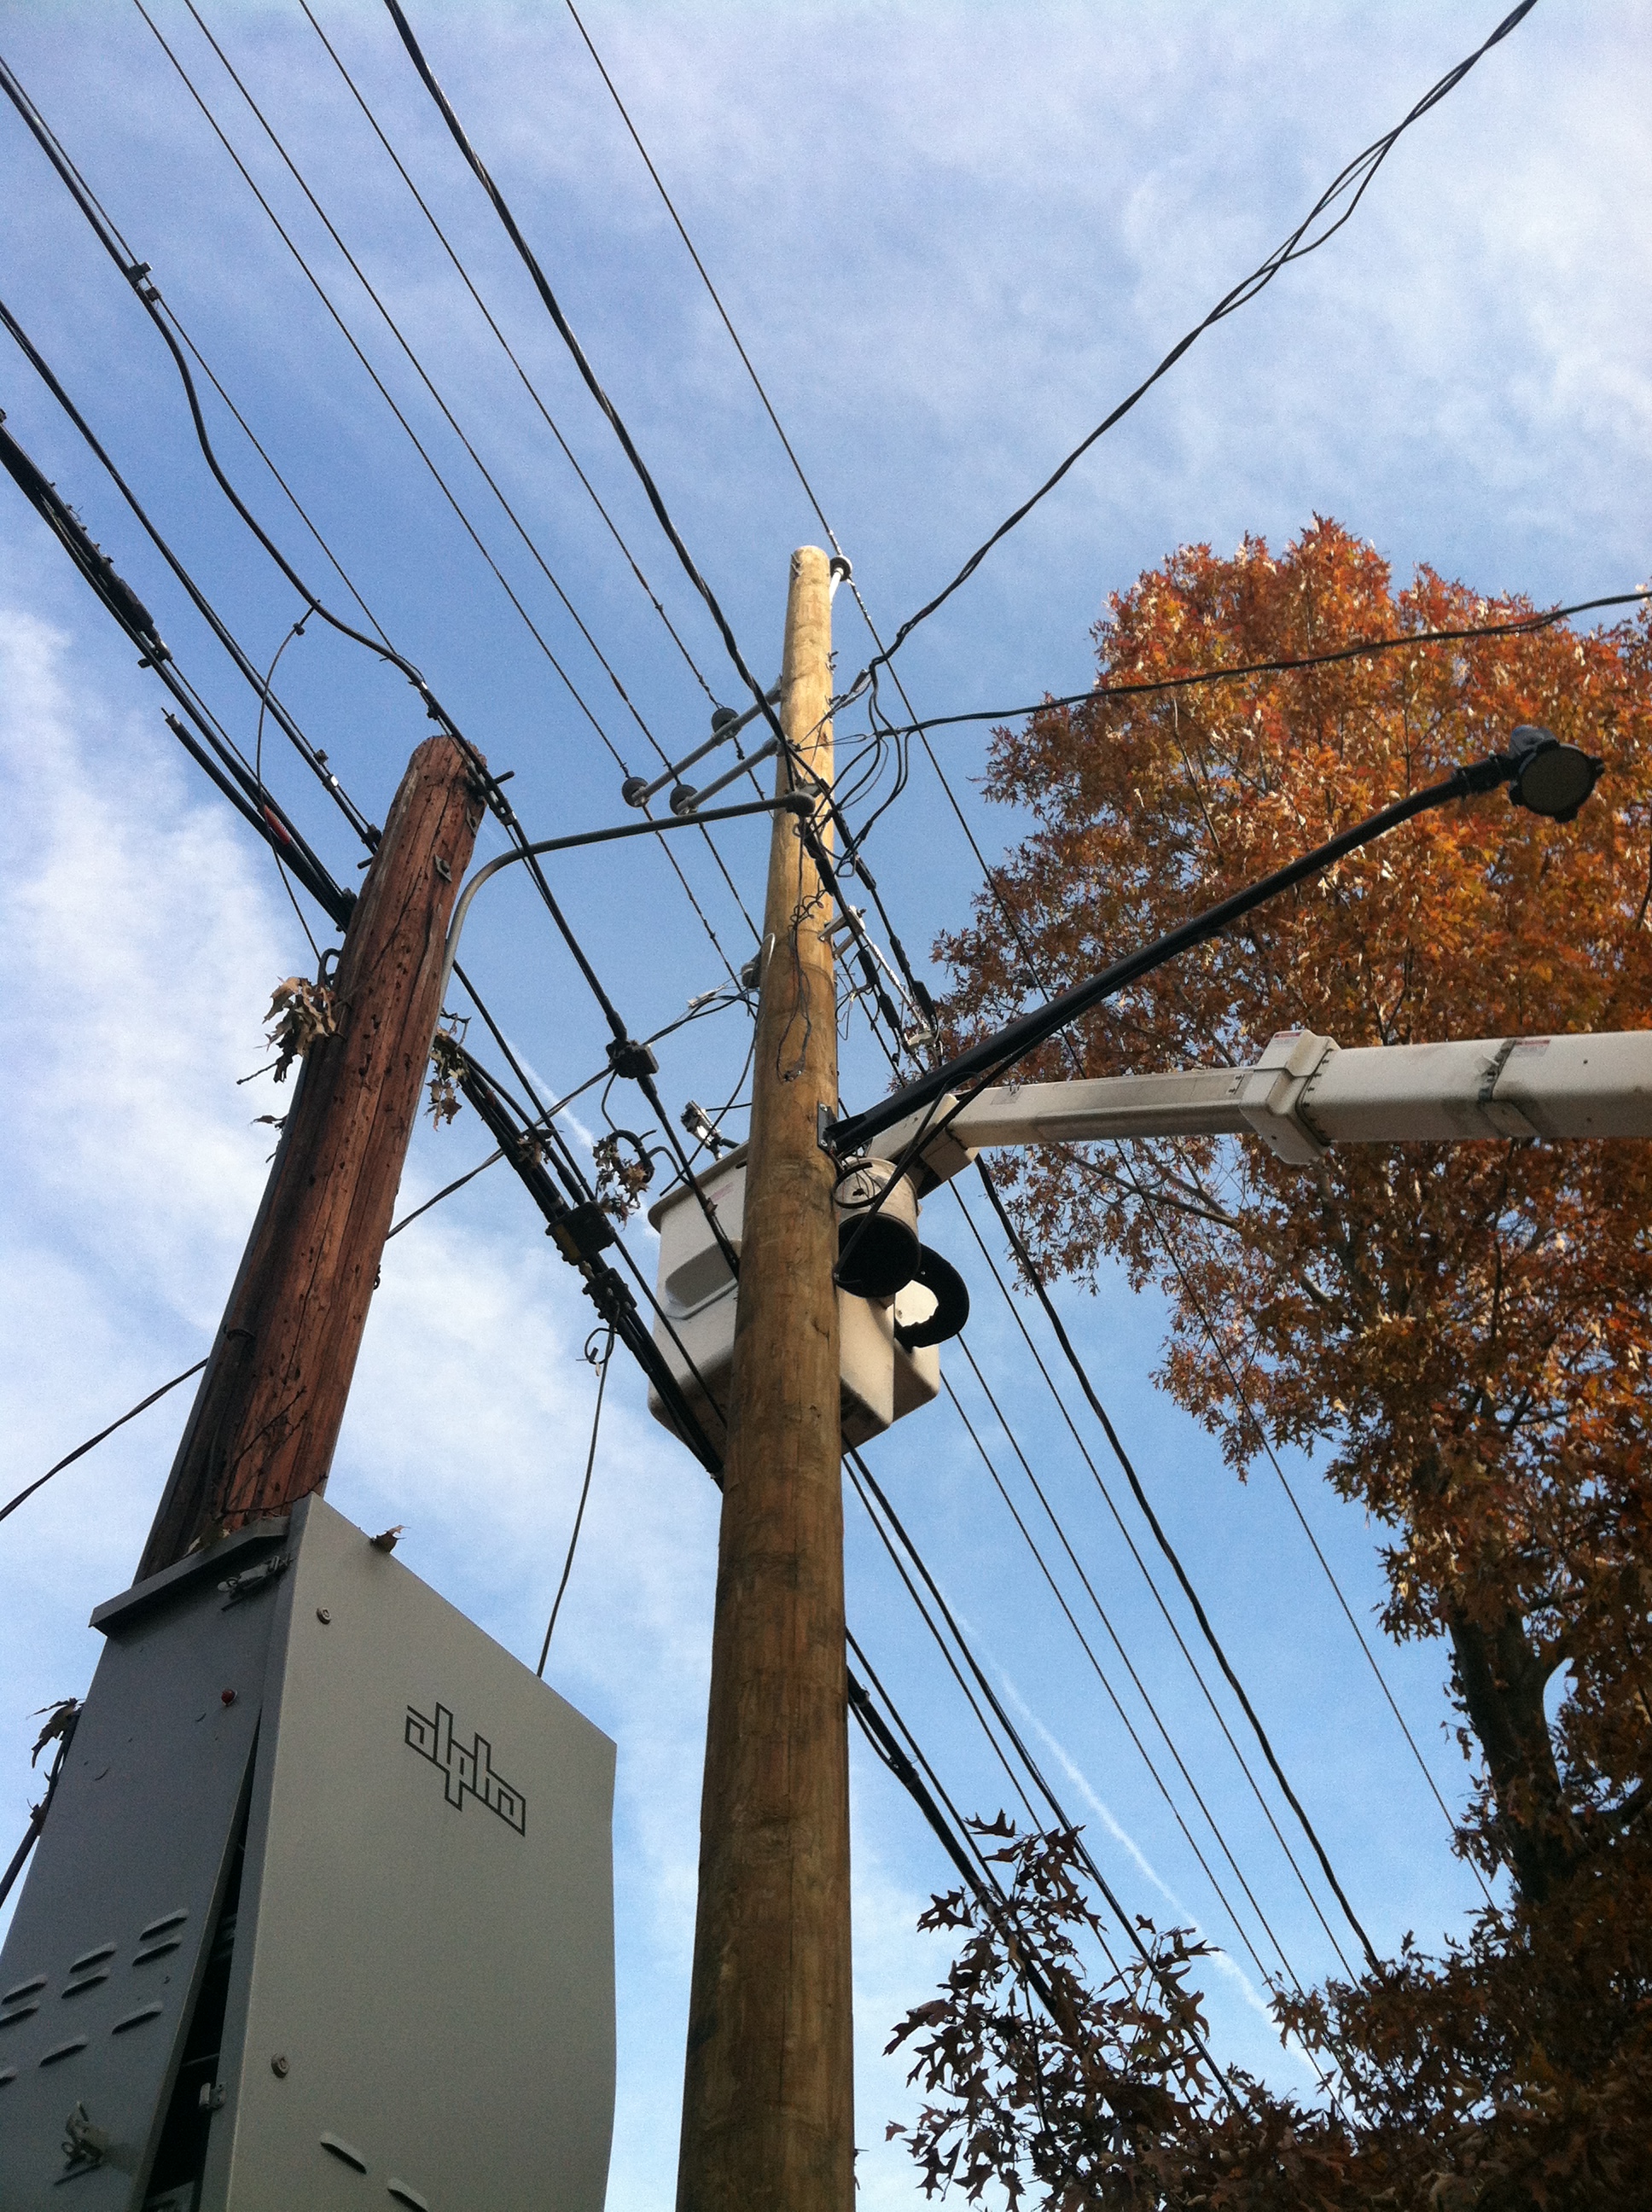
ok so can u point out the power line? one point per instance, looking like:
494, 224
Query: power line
864, 1474
580, 361
1286, 253
528, 385
1368, 648
1061, 1535
1350, 184
81, 1450
447, 411
1036, 1283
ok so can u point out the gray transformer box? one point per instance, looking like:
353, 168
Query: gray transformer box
322, 1915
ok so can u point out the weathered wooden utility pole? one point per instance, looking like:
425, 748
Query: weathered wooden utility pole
267, 1415
767, 2107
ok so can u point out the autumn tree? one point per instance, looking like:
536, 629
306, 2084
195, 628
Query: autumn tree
1460, 1331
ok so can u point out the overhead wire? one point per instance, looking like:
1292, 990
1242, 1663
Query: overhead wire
581, 361
1146, 1758
862, 1476
885, 656
1351, 184
1363, 649
441, 403
528, 385
81, 1450
1036, 1284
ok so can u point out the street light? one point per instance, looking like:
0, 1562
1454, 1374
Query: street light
1551, 779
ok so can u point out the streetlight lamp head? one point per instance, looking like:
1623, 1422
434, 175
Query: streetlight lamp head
1551, 779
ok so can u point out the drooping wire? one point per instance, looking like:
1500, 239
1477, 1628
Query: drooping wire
297, 630
1517, 626
447, 411
1349, 185
599, 1361
384, 391
81, 1450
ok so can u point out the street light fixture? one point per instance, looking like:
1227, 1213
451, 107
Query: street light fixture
1551, 779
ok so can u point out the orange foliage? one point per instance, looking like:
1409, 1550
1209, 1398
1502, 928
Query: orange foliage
1462, 1329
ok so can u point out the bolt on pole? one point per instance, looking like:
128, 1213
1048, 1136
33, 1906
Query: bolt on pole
767, 2107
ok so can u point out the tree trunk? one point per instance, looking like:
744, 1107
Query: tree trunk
1501, 1679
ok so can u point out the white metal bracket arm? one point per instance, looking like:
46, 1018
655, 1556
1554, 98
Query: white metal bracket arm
1306, 1093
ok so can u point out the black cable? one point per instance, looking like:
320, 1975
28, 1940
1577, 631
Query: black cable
313, 759
1100, 1676
1254, 1419
81, 1450
585, 1491
528, 385
1031, 1765
565, 331
239, 785
1130, 1543
1035, 1282
383, 389
1352, 183
1518, 626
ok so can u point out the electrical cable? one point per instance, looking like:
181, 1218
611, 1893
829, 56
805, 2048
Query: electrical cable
383, 389
1351, 183
81, 1450
1036, 1284
424, 455
1366, 648
313, 759
601, 1365
1112, 1694
865, 1474
580, 361
239, 785
528, 385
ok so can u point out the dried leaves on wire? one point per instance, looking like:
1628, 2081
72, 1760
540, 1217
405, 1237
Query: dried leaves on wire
622, 1174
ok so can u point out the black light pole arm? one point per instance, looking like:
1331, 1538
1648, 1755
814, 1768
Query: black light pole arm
996, 1054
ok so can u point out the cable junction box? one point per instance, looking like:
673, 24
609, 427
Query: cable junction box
322, 1916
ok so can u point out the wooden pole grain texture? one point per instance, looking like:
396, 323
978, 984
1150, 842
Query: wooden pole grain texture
266, 1417
768, 2107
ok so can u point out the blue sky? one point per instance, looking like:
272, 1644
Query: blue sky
951, 238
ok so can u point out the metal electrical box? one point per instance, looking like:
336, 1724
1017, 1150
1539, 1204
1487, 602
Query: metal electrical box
322, 1914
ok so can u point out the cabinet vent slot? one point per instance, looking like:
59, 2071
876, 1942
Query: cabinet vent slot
160, 1927
345, 2152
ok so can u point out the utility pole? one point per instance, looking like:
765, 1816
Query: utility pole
768, 2101
267, 1415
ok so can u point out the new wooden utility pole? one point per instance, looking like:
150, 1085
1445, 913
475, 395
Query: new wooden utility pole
768, 2106
266, 1417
